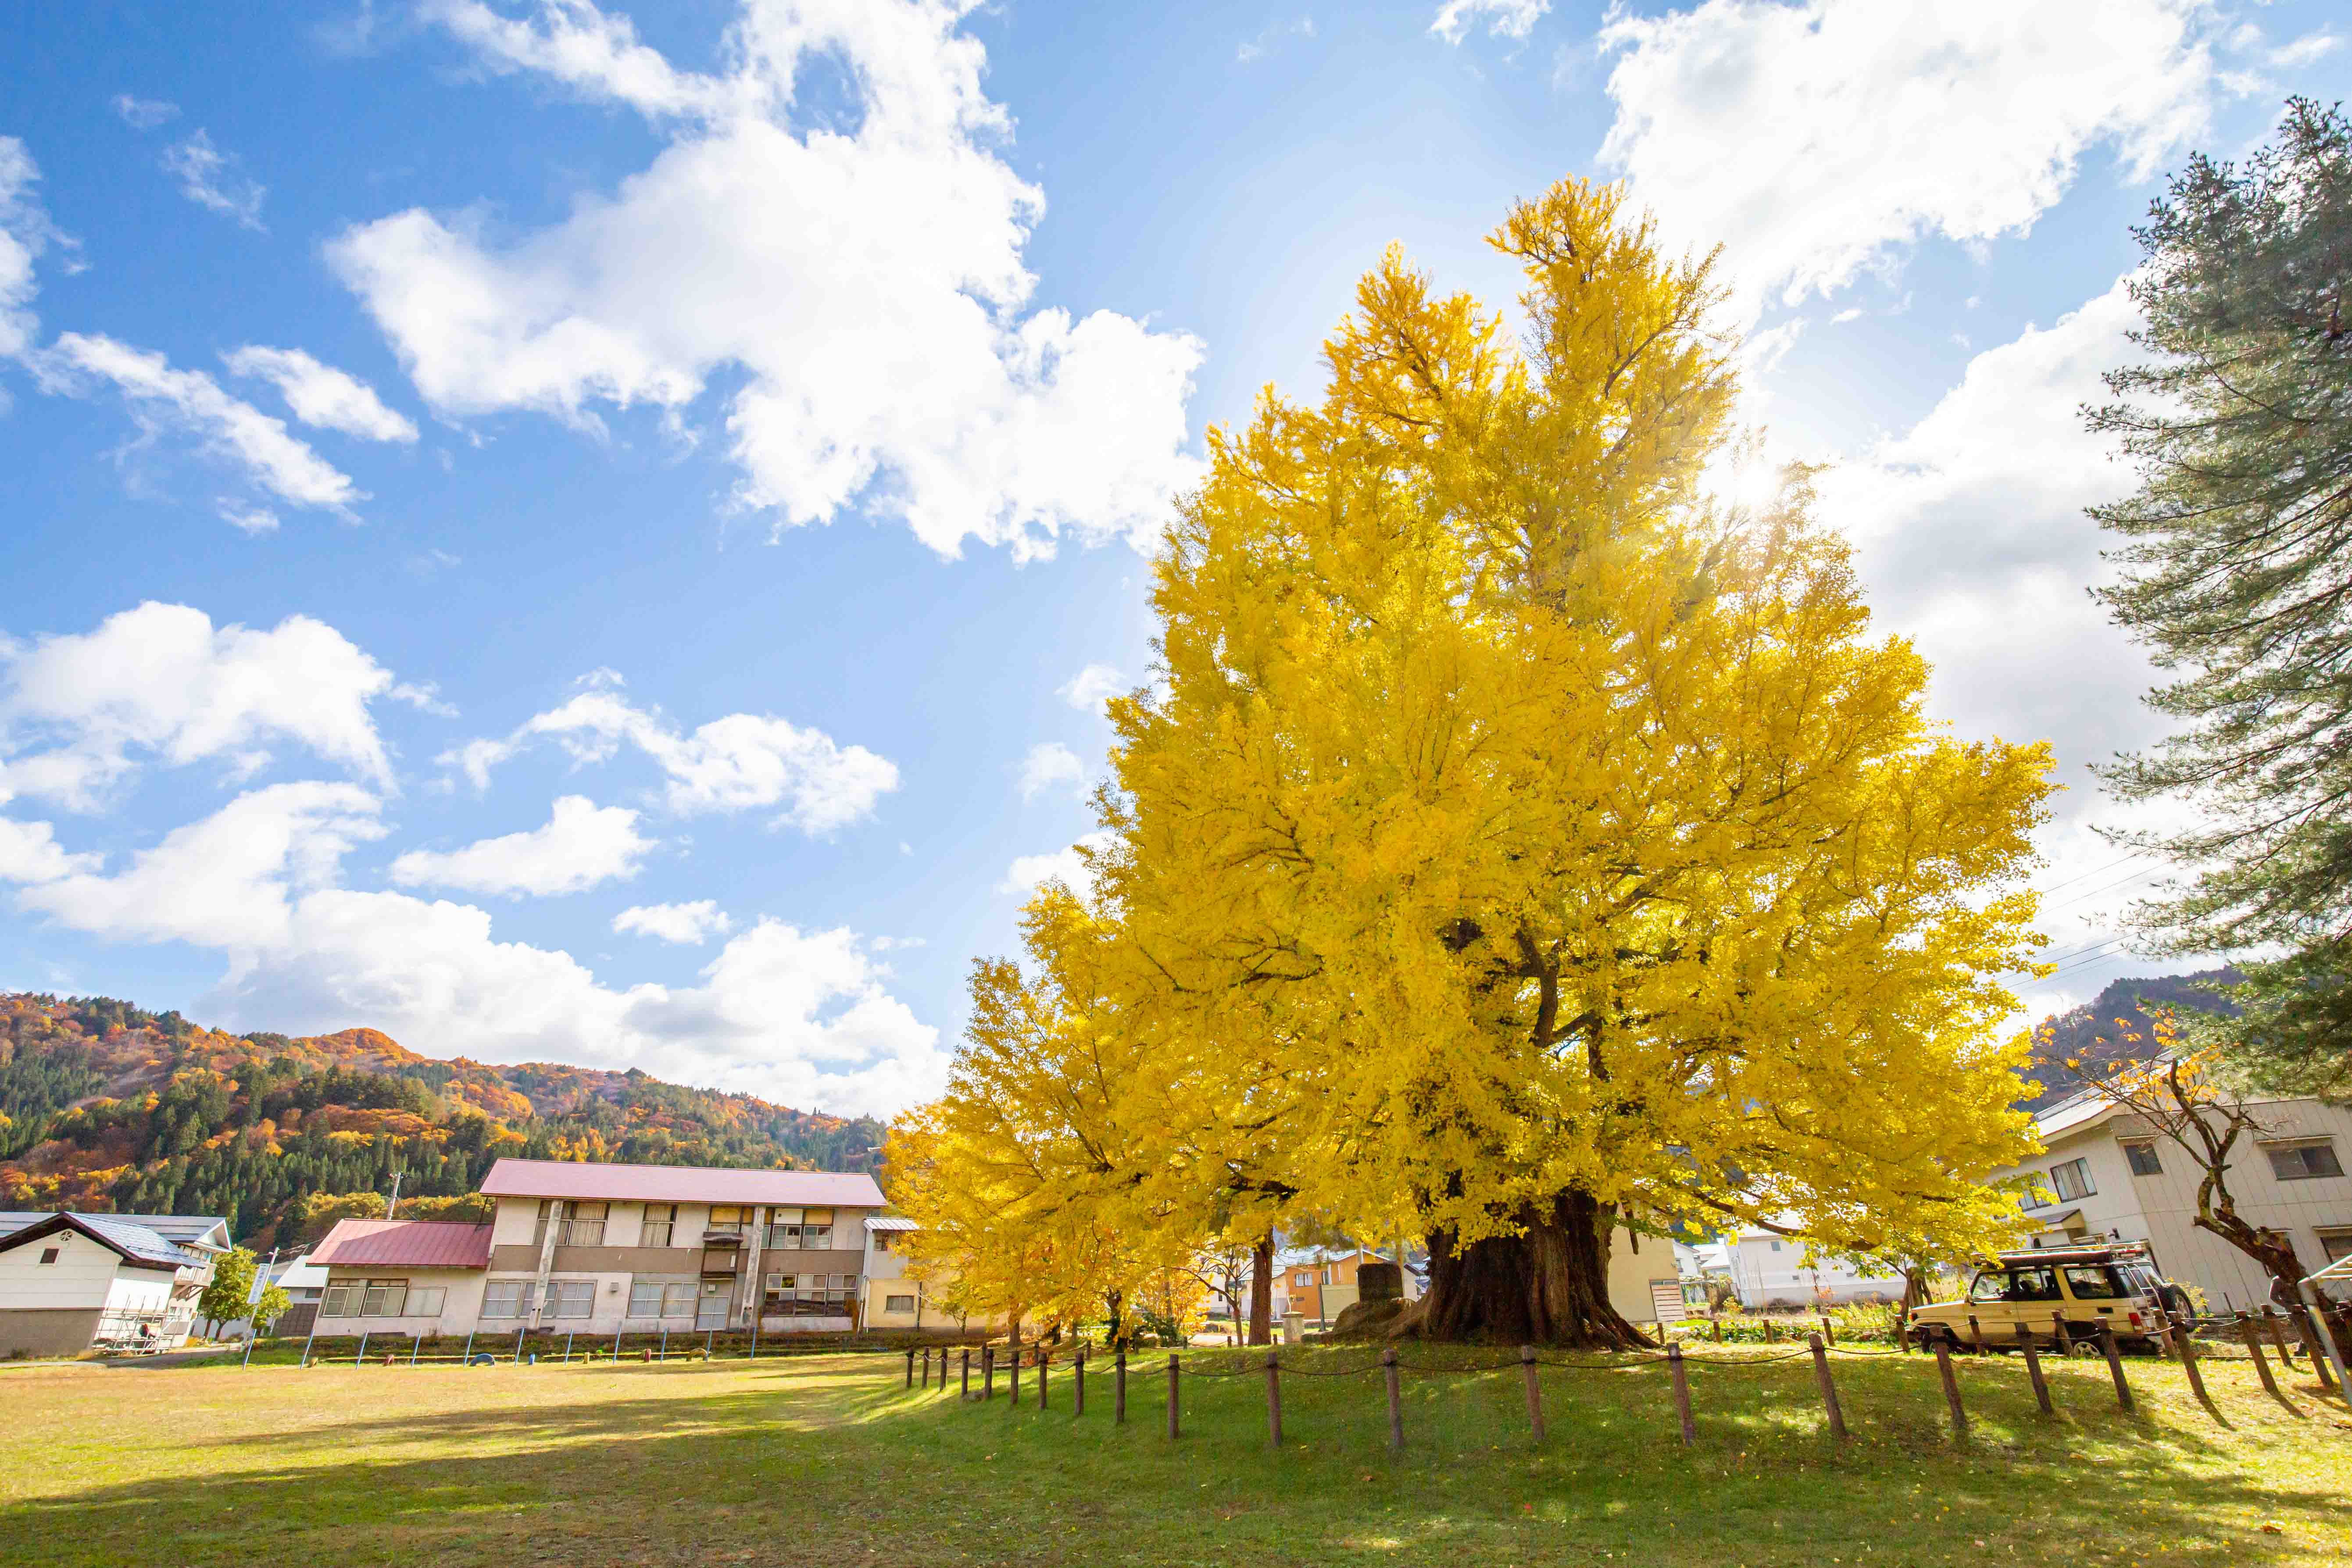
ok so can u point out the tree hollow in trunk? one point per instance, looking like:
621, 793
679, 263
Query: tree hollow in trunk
1547, 1285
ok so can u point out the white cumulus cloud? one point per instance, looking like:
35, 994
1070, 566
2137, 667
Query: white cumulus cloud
582, 844
214, 180
143, 114
321, 395
1817, 139
26, 233
192, 403
1091, 688
1504, 18
162, 681
1051, 765
861, 293
687, 924
1069, 867
804, 1017
740, 763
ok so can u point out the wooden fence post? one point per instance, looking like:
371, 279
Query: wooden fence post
1682, 1394
2254, 1338
1396, 1400
1119, 1386
1903, 1328
2115, 1367
1535, 1389
2034, 1369
1951, 1387
1770, 1338
1041, 1377
1719, 1329
1174, 1371
2062, 1339
1975, 1335
1016, 1374
1078, 1403
987, 1372
910, 1368
965, 1391
1273, 1399
2183, 1337
2276, 1320
927, 1367
1829, 1330
1829, 1387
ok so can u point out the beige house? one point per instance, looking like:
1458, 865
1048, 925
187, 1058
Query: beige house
72, 1282
602, 1249
2105, 1173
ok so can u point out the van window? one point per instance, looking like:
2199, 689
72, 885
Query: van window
2015, 1285
2093, 1282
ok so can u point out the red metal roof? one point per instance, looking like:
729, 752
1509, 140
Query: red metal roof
404, 1244
680, 1184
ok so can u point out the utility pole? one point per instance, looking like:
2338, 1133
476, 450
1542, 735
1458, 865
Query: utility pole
392, 1209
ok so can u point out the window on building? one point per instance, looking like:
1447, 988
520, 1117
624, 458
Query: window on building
2073, 1180
800, 1229
2304, 1161
809, 1295
424, 1300
341, 1300
584, 1226
573, 1298
2143, 1159
881, 1241
645, 1298
897, 1303
506, 1299
49, 1255
659, 1218
539, 1228
384, 1299
2034, 1197
1775, 1246
2336, 1243
677, 1299
732, 1219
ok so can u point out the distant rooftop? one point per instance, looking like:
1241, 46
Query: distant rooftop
680, 1184
132, 1236
404, 1243
194, 1230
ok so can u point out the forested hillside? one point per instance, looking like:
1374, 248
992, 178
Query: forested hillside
2099, 1030
104, 1106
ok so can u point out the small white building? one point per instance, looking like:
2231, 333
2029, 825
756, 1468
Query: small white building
2103, 1172
1768, 1271
72, 1282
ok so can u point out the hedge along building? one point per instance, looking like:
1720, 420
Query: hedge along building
605, 1250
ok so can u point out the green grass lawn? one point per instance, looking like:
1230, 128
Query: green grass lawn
828, 1460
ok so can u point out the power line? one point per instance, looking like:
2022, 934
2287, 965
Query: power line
2093, 872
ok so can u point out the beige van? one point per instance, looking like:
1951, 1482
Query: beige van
2115, 1286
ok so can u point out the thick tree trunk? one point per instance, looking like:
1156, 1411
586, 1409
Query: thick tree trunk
1261, 1324
1549, 1284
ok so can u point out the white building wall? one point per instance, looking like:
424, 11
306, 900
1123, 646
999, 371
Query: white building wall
2161, 1209
82, 1277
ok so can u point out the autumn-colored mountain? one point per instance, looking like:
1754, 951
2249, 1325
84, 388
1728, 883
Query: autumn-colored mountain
104, 1106
2114, 1027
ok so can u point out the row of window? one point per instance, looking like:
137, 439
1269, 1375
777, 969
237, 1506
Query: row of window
381, 1299
793, 1229
2302, 1160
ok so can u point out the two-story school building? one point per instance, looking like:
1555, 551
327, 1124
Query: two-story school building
606, 1248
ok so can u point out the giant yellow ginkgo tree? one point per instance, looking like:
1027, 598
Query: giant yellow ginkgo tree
1519, 849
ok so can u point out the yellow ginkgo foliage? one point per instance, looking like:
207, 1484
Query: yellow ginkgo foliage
1516, 846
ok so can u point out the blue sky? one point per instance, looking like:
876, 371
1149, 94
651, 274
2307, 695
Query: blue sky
572, 534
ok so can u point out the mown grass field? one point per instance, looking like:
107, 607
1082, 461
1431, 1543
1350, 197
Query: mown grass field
829, 1460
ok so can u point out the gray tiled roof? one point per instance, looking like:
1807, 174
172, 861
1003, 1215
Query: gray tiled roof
141, 1238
